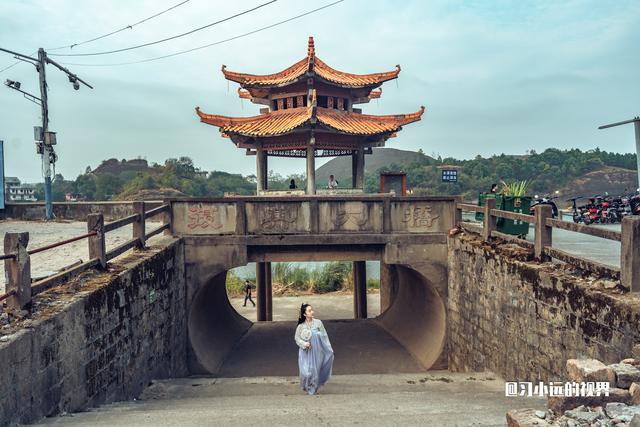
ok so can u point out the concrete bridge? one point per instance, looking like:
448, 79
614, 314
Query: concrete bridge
465, 301
407, 236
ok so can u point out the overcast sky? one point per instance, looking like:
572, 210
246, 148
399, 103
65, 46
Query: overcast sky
495, 76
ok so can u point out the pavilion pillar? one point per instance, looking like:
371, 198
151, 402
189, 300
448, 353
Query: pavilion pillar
359, 289
354, 168
264, 306
311, 169
261, 164
265, 170
360, 168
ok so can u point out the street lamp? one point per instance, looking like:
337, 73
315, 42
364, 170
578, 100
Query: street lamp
636, 122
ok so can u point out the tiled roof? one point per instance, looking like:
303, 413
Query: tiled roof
315, 65
284, 121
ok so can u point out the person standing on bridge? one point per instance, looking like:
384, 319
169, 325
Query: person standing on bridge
315, 354
247, 293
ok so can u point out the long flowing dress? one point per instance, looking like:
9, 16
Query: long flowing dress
315, 363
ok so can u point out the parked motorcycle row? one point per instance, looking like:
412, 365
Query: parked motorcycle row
605, 209
599, 209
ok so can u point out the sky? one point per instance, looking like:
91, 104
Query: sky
495, 76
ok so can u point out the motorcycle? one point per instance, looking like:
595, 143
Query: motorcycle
579, 213
545, 200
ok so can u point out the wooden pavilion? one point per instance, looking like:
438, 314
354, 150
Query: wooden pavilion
309, 112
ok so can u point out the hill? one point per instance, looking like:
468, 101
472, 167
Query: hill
613, 180
340, 167
115, 166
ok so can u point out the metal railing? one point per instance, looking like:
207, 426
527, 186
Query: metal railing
543, 250
20, 287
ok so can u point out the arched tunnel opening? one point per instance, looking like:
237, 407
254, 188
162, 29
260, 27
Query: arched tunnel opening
408, 336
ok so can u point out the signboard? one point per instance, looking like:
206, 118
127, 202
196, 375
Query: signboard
449, 175
1, 174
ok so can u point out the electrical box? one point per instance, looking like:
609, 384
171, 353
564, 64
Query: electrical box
37, 133
50, 138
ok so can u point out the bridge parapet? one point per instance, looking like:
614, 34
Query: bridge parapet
312, 215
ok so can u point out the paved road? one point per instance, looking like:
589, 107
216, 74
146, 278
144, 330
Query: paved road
435, 399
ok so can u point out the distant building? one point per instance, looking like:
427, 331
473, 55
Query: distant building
16, 192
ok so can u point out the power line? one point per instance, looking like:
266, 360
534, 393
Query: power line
168, 38
104, 35
210, 44
128, 27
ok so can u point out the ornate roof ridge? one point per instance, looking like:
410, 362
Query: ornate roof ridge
311, 63
280, 122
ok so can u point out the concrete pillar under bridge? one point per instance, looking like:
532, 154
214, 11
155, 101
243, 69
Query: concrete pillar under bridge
360, 289
264, 305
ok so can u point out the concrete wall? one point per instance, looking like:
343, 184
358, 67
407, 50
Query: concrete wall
523, 319
76, 211
103, 340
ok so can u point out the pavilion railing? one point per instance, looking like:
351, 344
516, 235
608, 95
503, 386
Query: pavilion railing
544, 223
21, 288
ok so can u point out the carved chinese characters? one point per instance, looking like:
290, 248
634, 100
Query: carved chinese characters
278, 218
204, 218
417, 217
339, 216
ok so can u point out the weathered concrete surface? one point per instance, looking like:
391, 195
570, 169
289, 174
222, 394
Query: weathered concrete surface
416, 317
435, 399
73, 211
100, 338
523, 319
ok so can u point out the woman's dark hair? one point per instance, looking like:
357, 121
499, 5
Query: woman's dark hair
303, 308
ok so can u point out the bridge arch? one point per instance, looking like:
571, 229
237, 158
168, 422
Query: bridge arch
415, 317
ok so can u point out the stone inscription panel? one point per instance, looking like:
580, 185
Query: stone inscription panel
421, 217
278, 218
204, 218
350, 217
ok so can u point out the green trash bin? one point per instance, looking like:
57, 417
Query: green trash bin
481, 199
514, 204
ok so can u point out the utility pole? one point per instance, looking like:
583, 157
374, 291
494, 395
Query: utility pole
45, 140
636, 122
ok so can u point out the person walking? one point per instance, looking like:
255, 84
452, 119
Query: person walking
315, 354
247, 293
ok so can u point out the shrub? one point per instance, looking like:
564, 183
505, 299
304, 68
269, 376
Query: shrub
334, 276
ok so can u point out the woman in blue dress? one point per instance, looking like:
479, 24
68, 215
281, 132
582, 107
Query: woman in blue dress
315, 355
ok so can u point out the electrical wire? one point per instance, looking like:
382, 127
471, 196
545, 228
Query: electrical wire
104, 35
168, 38
207, 45
10, 66
128, 27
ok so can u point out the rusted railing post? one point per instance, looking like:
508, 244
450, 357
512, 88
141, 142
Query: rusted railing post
97, 245
489, 220
543, 233
630, 253
17, 271
139, 225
